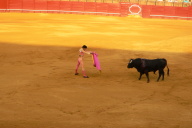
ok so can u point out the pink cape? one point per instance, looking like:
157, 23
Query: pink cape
96, 62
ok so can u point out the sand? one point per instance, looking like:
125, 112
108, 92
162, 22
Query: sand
38, 88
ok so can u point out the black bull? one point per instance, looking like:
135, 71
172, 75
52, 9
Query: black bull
144, 66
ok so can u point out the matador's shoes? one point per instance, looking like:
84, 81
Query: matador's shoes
85, 77
76, 73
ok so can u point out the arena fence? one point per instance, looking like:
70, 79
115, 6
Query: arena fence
146, 9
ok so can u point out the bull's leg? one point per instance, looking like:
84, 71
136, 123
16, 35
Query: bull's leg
140, 75
163, 75
147, 74
160, 73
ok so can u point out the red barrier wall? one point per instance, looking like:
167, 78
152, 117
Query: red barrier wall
190, 11
14, 5
152, 11
90, 7
40, 5
130, 9
64, 6
3, 5
74, 7
29, 4
94, 8
146, 11
169, 11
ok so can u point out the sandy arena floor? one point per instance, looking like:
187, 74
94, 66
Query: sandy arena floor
38, 88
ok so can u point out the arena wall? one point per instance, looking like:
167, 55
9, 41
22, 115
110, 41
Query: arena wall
96, 8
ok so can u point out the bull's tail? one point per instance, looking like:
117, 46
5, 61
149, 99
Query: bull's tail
167, 70
167, 67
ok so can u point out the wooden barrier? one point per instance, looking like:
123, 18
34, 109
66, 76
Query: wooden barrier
96, 8
168, 12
